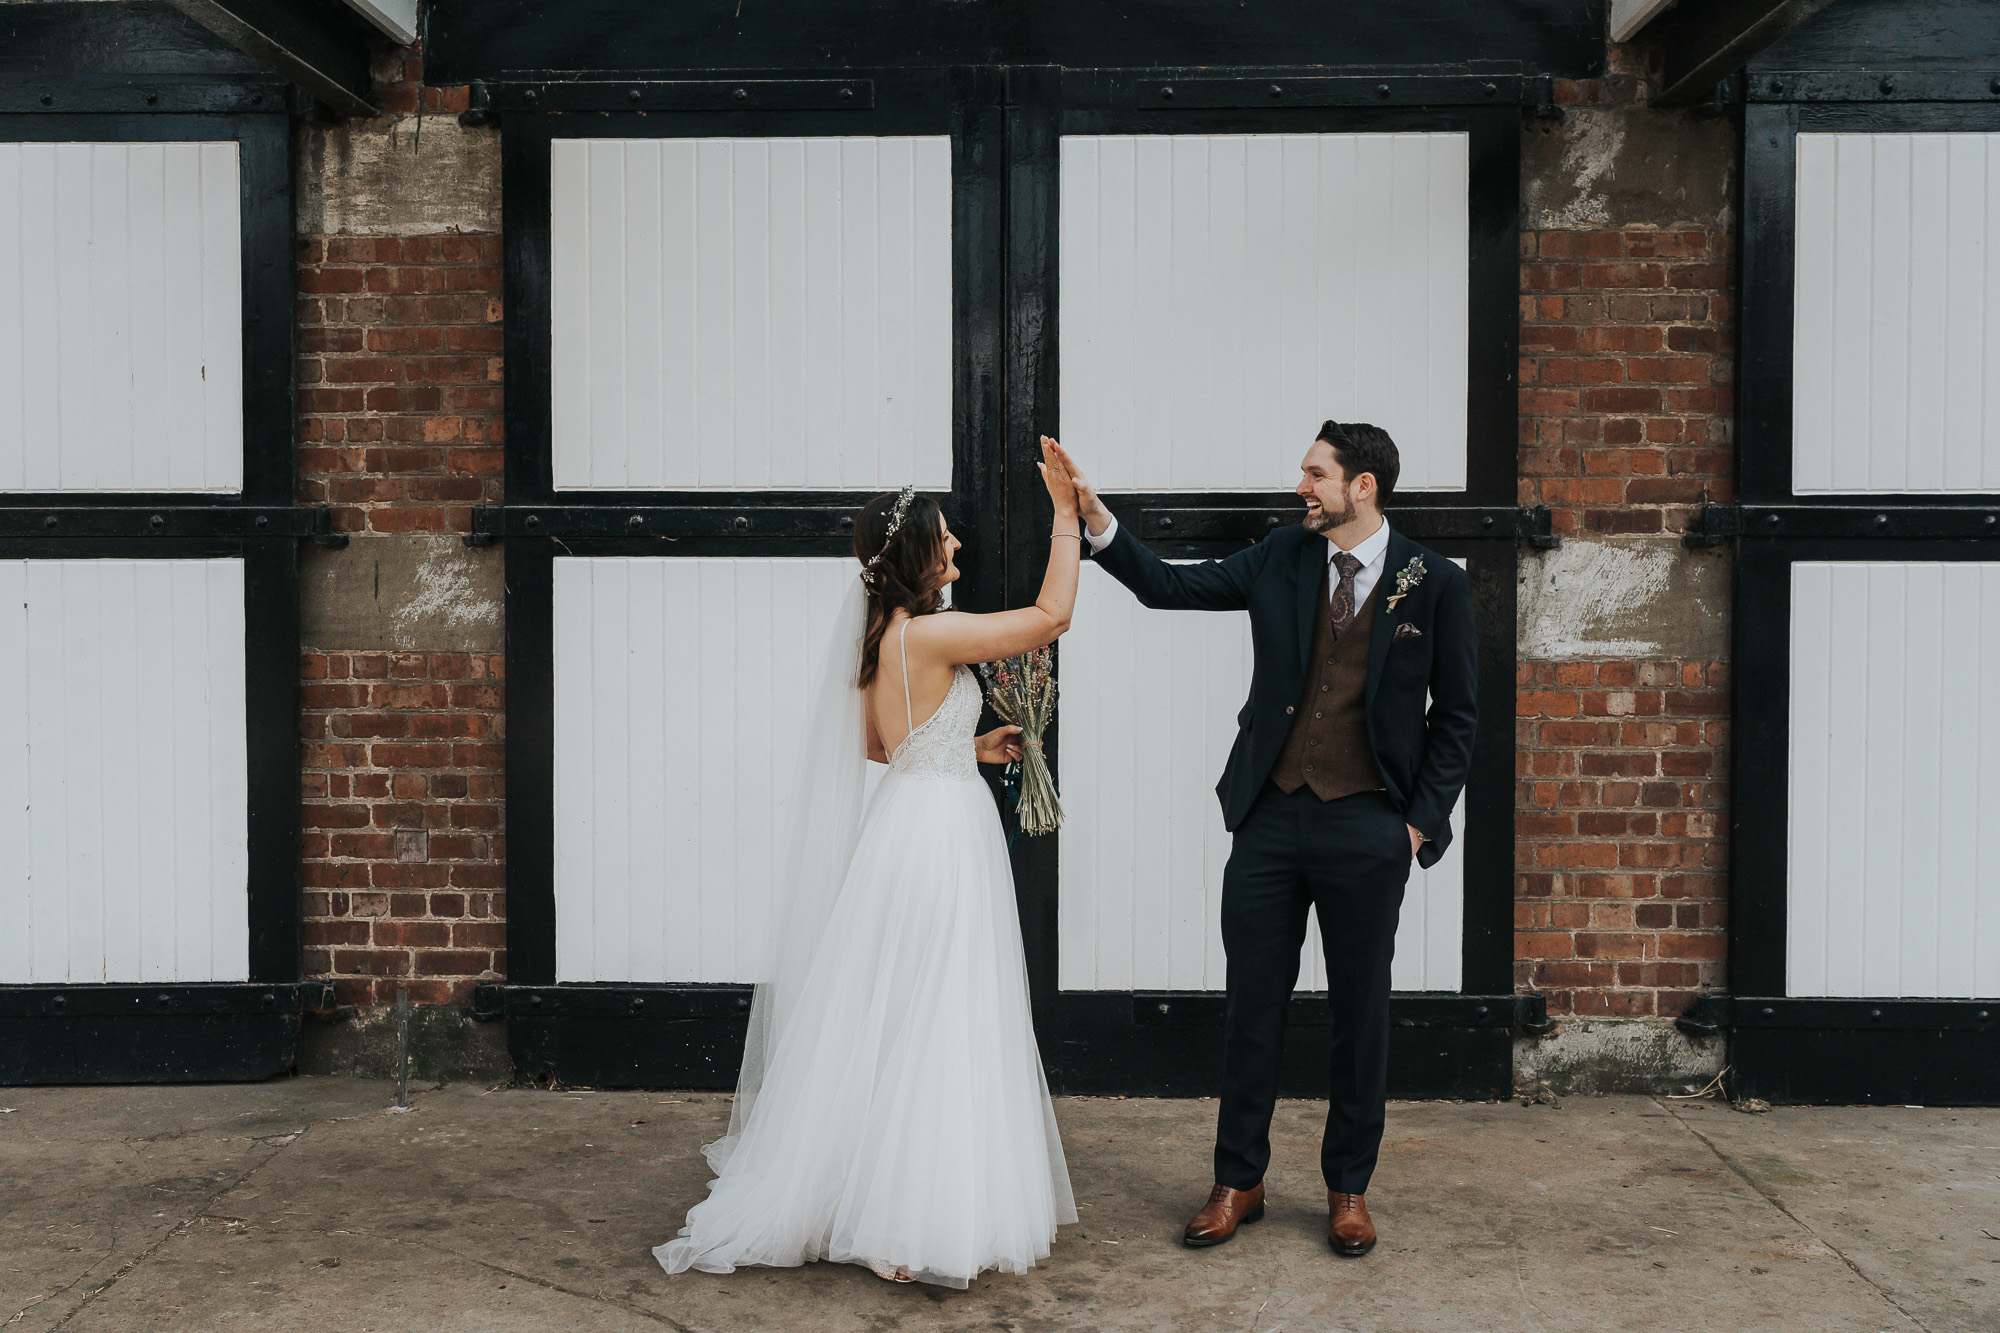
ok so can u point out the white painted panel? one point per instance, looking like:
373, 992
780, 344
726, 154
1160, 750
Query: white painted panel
121, 336
677, 682
1222, 295
123, 796
1896, 339
1894, 845
1149, 702
751, 313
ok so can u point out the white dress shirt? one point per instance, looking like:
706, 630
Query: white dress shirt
1372, 551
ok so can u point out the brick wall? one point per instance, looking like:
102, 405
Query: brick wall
1627, 337
399, 379
403, 841
399, 427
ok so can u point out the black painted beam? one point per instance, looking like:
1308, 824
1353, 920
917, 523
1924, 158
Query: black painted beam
1704, 41
320, 45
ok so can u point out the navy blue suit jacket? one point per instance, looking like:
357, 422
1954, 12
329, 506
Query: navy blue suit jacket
1422, 754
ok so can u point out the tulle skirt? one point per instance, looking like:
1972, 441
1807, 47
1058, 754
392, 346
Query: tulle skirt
904, 1118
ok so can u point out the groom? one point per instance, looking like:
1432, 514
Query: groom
1341, 775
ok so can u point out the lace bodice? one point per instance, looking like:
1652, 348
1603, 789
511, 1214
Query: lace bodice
941, 746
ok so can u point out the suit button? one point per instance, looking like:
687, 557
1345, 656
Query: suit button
1309, 768
1319, 714
1324, 688
1288, 710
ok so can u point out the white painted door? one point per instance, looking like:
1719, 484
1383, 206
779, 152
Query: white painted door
1149, 702
1896, 340
739, 314
1894, 852
1224, 294
121, 349
681, 686
123, 801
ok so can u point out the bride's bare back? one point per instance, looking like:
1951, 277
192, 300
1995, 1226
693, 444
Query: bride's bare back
937, 643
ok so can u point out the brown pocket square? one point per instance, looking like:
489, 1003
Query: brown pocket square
1408, 631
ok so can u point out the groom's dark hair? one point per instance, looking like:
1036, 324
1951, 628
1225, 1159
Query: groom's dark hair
1361, 448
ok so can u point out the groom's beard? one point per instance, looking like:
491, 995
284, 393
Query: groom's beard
1326, 520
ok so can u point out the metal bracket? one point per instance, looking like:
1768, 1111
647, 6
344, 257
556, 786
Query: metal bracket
1896, 85
1537, 527
1531, 1015
1712, 523
72, 520
1709, 1015
679, 95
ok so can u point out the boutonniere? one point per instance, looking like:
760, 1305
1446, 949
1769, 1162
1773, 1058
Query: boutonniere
1408, 577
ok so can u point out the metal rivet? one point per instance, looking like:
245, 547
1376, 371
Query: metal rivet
635, 522
1165, 521
157, 521
1271, 520
49, 522
1771, 520
47, 100
742, 523
1980, 1014
1887, 85
60, 1001
530, 96
743, 1004
847, 94
741, 95
1167, 93
152, 99
256, 99
1489, 88
1276, 91
638, 1002
269, 999
1767, 1011
531, 521
164, 998
846, 522
1163, 1008
1381, 90
535, 1001
632, 96
1991, 520
1777, 85
1881, 520
1874, 1013
263, 521
1486, 522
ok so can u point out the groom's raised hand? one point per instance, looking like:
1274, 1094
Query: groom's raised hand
1088, 506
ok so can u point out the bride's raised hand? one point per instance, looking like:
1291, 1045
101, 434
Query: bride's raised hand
999, 746
1062, 490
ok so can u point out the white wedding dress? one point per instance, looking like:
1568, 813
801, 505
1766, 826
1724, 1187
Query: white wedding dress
900, 1115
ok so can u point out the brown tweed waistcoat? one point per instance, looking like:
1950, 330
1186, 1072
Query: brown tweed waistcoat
1327, 748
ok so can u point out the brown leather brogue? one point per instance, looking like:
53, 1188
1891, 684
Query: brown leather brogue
1349, 1229
1225, 1210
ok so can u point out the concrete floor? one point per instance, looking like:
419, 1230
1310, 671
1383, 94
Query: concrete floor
306, 1204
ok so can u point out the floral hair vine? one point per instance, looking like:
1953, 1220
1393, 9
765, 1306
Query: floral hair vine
868, 575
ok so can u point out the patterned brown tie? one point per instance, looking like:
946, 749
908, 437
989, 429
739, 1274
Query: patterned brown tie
1343, 595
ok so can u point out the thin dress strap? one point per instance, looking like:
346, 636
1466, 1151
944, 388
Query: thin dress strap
903, 646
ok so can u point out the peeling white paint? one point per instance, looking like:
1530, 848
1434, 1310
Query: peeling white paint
410, 176
1587, 158
445, 594
1577, 595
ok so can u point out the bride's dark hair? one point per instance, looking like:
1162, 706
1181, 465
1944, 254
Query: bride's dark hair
907, 576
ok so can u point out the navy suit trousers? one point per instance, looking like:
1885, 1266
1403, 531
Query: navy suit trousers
1350, 859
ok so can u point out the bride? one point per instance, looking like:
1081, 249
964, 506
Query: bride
891, 1108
